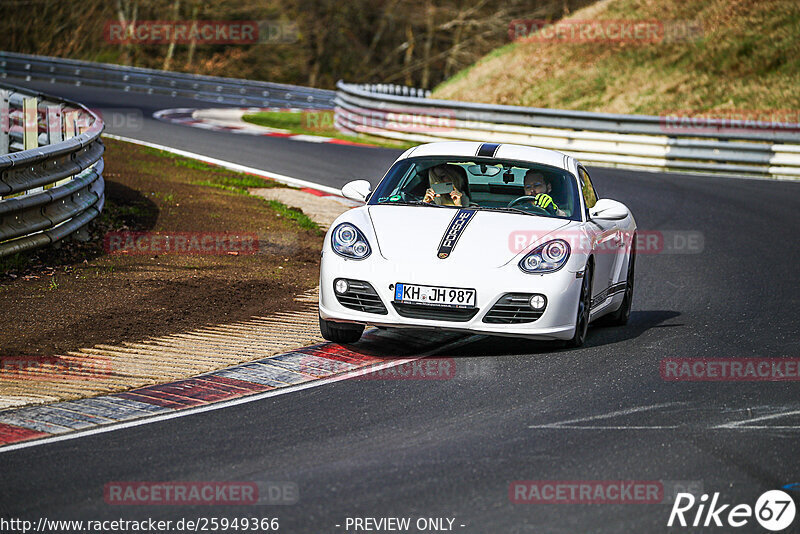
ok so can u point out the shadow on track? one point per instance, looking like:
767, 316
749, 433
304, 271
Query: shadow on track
639, 323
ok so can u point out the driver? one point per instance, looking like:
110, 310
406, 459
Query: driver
539, 187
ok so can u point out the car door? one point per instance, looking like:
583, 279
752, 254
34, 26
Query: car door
604, 236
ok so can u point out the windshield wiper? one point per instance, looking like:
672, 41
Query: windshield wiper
505, 209
411, 203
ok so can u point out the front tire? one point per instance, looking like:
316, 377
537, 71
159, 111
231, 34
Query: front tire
340, 332
620, 317
584, 307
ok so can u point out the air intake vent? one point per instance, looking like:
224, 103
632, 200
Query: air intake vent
434, 313
360, 296
513, 308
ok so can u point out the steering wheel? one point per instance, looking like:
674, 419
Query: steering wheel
528, 198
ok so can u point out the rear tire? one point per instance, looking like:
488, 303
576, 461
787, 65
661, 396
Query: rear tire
340, 332
620, 317
584, 306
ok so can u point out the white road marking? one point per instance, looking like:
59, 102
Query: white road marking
311, 138
288, 180
746, 423
582, 427
570, 424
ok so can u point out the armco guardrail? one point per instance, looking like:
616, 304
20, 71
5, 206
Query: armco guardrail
635, 141
51, 167
231, 91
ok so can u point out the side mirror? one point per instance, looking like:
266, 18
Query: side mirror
357, 190
609, 210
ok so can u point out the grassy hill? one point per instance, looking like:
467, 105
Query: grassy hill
746, 57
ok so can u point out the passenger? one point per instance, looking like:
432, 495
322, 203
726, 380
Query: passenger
447, 174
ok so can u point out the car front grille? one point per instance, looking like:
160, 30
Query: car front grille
513, 308
361, 296
434, 313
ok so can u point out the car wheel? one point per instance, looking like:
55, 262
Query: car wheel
584, 306
620, 317
340, 332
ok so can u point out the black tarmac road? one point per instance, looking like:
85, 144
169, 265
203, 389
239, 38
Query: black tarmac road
516, 410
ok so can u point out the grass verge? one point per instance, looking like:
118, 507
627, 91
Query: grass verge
316, 123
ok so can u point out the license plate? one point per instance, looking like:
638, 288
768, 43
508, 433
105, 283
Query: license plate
435, 295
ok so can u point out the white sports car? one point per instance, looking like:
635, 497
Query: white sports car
478, 237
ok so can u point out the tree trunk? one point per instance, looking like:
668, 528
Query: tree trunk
127, 18
409, 53
171, 50
387, 15
450, 63
193, 44
430, 13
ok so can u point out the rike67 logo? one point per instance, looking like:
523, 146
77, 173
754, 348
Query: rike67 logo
774, 511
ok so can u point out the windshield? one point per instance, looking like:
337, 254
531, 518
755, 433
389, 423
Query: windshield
490, 184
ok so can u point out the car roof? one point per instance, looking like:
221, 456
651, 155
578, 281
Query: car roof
473, 150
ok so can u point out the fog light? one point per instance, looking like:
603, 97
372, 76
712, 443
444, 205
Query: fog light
340, 286
537, 302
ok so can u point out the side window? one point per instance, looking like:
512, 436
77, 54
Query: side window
589, 195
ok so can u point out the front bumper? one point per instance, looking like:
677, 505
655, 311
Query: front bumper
561, 288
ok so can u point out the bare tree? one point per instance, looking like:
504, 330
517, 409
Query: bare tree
127, 13
416, 42
193, 43
176, 6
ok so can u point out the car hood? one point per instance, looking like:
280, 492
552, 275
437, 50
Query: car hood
490, 239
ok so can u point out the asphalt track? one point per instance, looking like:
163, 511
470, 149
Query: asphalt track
527, 411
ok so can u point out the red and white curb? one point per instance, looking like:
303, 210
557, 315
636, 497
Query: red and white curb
230, 120
283, 373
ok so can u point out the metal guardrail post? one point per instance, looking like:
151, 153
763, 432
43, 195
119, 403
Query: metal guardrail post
70, 124
30, 130
5, 122
30, 126
54, 128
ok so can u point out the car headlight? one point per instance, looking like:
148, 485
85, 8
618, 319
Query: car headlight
348, 241
546, 258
